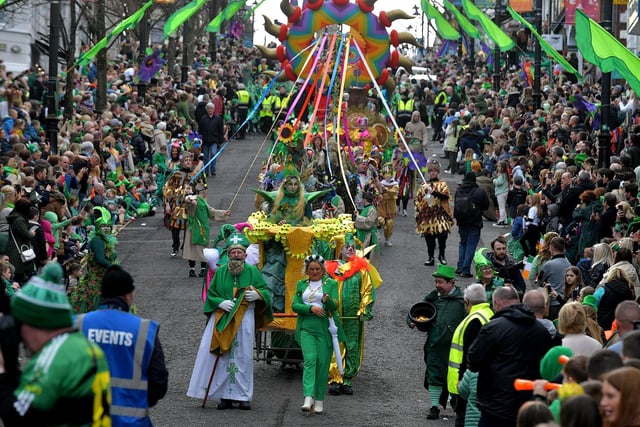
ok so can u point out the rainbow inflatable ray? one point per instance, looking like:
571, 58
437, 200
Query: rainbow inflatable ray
368, 30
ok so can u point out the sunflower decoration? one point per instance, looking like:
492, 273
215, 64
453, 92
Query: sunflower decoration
397, 133
286, 133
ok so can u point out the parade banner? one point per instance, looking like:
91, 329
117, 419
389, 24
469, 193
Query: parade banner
462, 20
601, 48
445, 29
499, 37
549, 50
180, 16
127, 24
231, 9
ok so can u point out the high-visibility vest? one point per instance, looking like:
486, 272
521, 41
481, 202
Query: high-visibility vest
243, 98
483, 313
127, 342
269, 105
406, 106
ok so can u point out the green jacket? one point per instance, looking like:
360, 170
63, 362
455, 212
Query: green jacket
329, 286
450, 312
65, 383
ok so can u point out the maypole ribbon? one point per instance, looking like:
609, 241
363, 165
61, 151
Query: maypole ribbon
345, 63
249, 116
393, 120
319, 91
319, 47
331, 84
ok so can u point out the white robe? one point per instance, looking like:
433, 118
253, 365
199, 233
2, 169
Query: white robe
233, 378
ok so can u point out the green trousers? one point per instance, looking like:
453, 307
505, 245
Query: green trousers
315, 342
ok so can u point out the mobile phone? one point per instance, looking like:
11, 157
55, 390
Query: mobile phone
548, 288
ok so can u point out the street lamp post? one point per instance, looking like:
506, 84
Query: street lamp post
496, 51
537, 59
418, 12
52, 82
604, 138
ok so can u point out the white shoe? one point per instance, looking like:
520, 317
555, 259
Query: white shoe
388, 244
308, 403
404, 212
318, 408
447, 171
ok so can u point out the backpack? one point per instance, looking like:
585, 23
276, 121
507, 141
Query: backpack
464, 206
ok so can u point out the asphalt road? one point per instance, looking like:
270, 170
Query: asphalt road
388, 390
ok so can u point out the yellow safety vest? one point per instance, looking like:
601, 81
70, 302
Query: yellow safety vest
243, 97
483, 313
405, 106
269, 104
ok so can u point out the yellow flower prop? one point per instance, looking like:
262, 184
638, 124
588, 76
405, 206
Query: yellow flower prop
297, 241
286, 133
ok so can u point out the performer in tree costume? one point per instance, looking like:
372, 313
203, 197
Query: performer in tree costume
102, 254
289, 205
387, 206
175, 191
238, 303
357, 281
433, 214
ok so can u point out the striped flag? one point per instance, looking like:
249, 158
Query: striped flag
527, 268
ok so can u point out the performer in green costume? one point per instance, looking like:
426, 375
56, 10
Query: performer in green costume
357, 280
316, 303
238, 303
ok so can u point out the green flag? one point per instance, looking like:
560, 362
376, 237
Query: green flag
250, 11
544, 44
445, 29
226, 14
502, 40
2, 2
464, 23
180, 16
126, 24
601, 48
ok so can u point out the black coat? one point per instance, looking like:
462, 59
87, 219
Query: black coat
607, 222
211, 129
615, 291
480, 200
510, 346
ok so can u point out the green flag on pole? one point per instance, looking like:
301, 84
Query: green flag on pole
544, 44
445, 29
226, 14
126, 24
601, 48
499, 37
180, 16
464, 23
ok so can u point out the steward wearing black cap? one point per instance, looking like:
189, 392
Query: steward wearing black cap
139, 376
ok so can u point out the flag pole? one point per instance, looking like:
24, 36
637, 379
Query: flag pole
604, 138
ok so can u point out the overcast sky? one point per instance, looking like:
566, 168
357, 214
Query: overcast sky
271, 8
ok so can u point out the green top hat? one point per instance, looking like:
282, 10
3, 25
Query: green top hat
445, 271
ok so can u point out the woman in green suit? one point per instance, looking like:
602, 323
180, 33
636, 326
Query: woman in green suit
316, 303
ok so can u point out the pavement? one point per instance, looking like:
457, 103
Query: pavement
389, 388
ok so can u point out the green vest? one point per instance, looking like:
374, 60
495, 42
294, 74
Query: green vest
481, 312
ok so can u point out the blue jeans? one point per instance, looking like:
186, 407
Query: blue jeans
469, 237
208, 151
